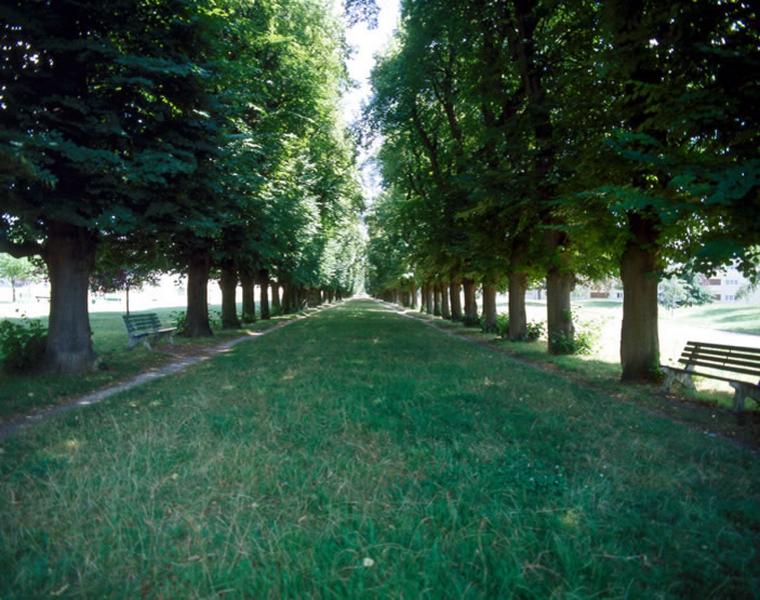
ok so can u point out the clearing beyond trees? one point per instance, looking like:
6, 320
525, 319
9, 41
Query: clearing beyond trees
361, 454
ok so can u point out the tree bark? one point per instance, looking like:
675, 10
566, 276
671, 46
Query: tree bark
413, 292
489, 307
276, 304
437, 299
470, 303
559, 317
70, 257
559, 283
445, 307
196, 323
518, 321
429, 298
285, 300
249, 303
639, 267
456, 300
264, 295
228, 284
316, 297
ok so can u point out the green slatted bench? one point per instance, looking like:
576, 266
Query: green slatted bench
146, 328
738, 365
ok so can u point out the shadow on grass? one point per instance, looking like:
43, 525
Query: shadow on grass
709, 410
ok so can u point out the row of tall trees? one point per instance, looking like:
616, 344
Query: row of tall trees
529, 140
193, 136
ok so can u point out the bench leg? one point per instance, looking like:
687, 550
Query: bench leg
673, 376
131, 343
740, 395
742, 391
146, 343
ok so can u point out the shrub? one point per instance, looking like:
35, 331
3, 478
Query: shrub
533, 329
22, 345
502, 325
563, 344
180, 320
583, 342
471, 321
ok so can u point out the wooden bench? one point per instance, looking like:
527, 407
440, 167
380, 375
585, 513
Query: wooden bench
146, 328
721, 362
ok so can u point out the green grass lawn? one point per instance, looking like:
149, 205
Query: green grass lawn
739, 319
22, 393
361, 454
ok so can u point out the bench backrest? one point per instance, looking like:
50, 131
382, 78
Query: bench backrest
720, 357
142, 323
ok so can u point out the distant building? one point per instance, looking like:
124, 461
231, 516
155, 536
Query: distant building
729, 285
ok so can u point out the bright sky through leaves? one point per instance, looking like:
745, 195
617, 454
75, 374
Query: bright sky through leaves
366, 44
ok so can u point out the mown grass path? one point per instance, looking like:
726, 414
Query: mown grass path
199, 355
361, 454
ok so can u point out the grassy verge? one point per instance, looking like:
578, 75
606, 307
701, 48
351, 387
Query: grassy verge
739, 319
359, 454
21, 394
706, 408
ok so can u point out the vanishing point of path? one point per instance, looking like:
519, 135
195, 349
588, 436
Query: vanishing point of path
360, 454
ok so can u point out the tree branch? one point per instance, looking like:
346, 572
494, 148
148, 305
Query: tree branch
19, 250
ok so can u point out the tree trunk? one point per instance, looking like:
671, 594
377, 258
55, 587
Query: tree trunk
423, 297
559, 283
518, 321
413, 293
445, 307
196, 323
228, 284
639, 340
285, 299
13, 290
559, 317
300, 298
429, 298
249, 303
126, 291
489, 307
437, 299
470, 303
70, 256
456, 300
264, 295
276, 304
